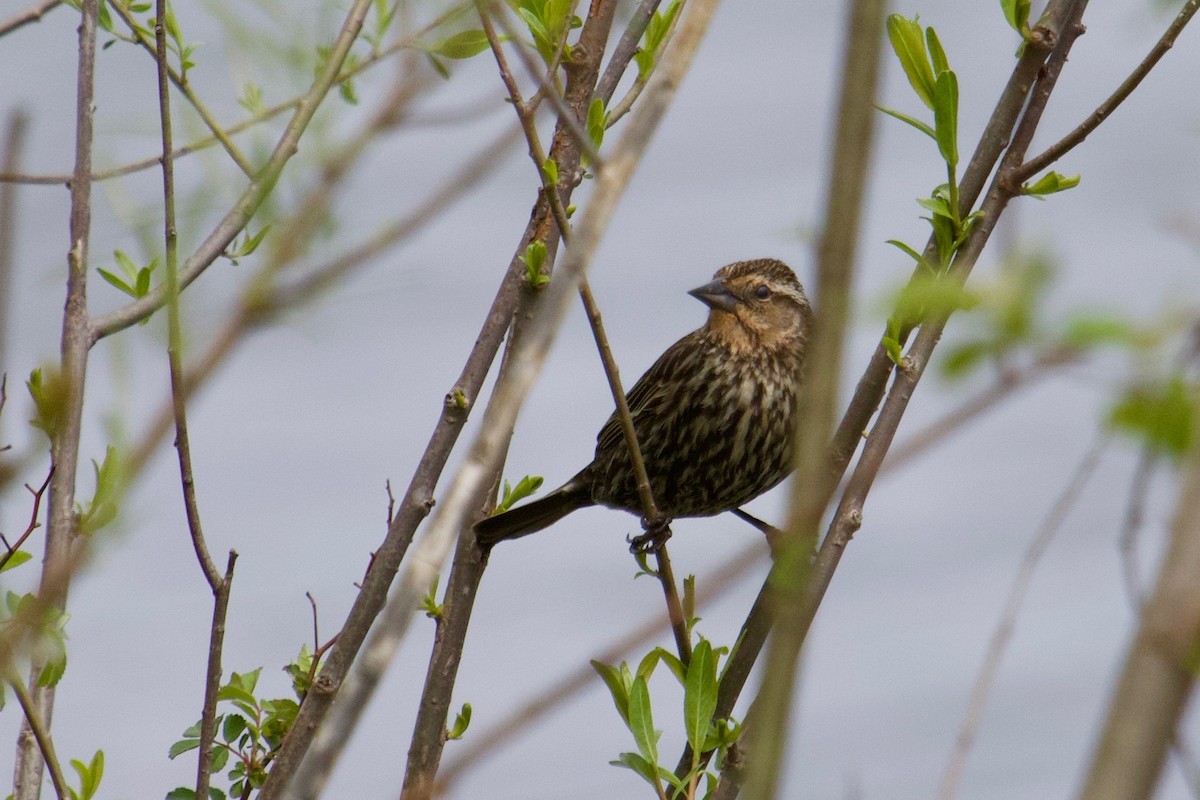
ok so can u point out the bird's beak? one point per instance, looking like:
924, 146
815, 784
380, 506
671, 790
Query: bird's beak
715, 295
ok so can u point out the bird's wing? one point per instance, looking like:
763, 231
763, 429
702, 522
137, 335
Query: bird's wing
646, 396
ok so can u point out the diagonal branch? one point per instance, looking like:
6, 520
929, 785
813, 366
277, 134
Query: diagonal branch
1064, 145
254, 194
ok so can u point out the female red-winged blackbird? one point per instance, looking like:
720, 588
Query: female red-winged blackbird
714, 415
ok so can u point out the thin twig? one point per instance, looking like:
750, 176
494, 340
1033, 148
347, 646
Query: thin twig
566, 117
13, 549
652, 519
621, 108
625, 50
218, 585
41, 735
1102, 112
1008, 617
252, 197
64, 447
32, 14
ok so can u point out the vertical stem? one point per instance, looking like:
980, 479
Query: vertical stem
790, 575
64, 448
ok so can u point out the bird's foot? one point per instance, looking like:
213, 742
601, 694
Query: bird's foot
656, 534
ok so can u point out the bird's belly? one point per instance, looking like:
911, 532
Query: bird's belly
718, 449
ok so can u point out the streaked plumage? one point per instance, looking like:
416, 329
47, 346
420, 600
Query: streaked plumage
714, 415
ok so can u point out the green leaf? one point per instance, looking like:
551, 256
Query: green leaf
220, 757
1162, 415
49, 392
438, 66
700, 695
646, 666
597, 121
525, 487
639, 765
429, 603
182, 746
905, 118
936, 54
909, 46
90, 775
550, 171
616, 687
1016, 14
105, 503
1087, 331
945, 116
233, 727
1050, 183
17, 558
182, 793
462, 45
117, 282
641, 720
911, 253
961, 359
461, 723
533, 259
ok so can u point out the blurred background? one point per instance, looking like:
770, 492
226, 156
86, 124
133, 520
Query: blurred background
296, 434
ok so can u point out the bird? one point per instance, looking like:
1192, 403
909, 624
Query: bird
714, 415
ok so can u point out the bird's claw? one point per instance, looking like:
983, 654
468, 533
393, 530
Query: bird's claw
655, 536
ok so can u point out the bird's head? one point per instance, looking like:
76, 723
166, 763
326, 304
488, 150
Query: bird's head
756, 304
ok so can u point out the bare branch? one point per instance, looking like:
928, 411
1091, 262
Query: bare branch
13, 549
1102, 112
64, 448
237, 218
32, 14
41, 735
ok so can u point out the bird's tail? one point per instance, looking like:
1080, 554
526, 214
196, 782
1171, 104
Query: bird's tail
533, 517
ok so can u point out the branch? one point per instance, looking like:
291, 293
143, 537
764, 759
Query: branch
788, 580
41, 734
254, 194
1064, 145
12, 550
1159, 671
733, 570
64, 446
32, 14
1010, 108
1008, 618
155, 49
16, 126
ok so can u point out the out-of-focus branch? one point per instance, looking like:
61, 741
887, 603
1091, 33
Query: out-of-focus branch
788, 581
527, 356
1160, 668
254, 194
16, 124
32, 14
1057, 28
429, 730
61, 528
1008, 618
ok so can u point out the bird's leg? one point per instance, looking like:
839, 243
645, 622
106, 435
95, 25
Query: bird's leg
657, 532
773, 534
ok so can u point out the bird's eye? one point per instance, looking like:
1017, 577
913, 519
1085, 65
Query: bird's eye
762, 292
